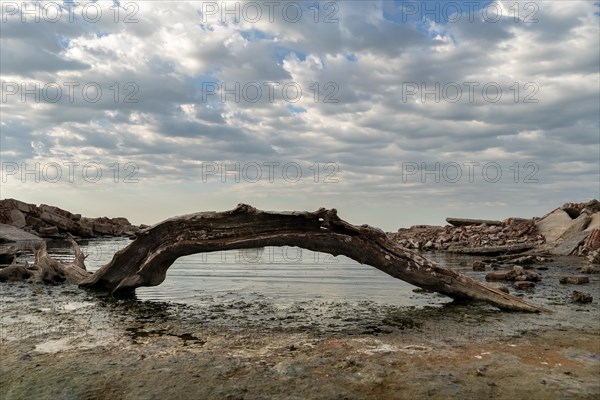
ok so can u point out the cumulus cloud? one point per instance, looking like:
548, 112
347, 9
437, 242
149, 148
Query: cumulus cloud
395, 95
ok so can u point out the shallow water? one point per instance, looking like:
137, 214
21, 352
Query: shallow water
281, 289
284, 278
283, 275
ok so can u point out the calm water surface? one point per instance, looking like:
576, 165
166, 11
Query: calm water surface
284, 275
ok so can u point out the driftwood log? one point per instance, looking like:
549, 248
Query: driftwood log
146, 260
46, 269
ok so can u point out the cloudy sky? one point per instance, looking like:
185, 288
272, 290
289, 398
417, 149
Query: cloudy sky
394, 112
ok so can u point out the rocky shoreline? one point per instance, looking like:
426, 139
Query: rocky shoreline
573, 229
57, 341
55, 223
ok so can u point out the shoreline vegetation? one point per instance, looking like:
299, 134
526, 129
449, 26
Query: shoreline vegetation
58, 341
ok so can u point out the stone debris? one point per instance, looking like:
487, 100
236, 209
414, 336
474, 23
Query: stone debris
521, 277
522, 235
574, 279
573, 229
582, 297
523, 285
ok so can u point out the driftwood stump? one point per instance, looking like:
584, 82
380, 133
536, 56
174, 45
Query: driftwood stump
45, 269
146, 260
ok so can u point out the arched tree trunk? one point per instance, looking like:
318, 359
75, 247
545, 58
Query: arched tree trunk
146, 260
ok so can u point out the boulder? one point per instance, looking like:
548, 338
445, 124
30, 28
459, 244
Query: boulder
103, 228
554, 225
570, 240
17, 218
58, 220
9, 233
594, 222
592, 206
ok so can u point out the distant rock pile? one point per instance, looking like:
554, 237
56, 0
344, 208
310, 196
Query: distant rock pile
53, 222
498, 237
573, 229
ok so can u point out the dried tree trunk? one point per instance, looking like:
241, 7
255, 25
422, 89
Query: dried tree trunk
146, 260
45, 269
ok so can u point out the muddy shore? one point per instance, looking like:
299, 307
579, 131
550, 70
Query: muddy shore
59, 342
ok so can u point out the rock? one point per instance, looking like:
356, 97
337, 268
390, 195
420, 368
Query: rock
103, 228
513, 221
50, 221
594, 222
478, 266
492, 250
593, 240
468, 222
523, 260
554, 225
592, 206
590, 269
497, 276
9, 233
582, 297
60, 221
50, 231
594, 257
574, 279
570, 240
529, 276
523, 285
570, 244
17, 218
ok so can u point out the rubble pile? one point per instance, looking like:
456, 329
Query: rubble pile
573, 229
509, 233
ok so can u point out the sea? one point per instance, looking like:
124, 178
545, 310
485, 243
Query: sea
284, 275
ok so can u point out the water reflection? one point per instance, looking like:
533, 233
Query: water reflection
284, 275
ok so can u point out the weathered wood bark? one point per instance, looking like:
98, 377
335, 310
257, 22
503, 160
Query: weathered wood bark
45, 269
146, 260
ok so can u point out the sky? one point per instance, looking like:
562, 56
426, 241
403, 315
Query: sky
395, 113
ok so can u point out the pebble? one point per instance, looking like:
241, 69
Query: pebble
523, 284
574, 279
582, 297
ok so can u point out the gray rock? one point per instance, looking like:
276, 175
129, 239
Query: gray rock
582, 297
554, 225
574, 279
523, 285
17, 218
9, 233
592, 206
594, 222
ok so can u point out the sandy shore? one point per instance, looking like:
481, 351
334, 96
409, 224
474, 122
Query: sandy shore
59, 342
